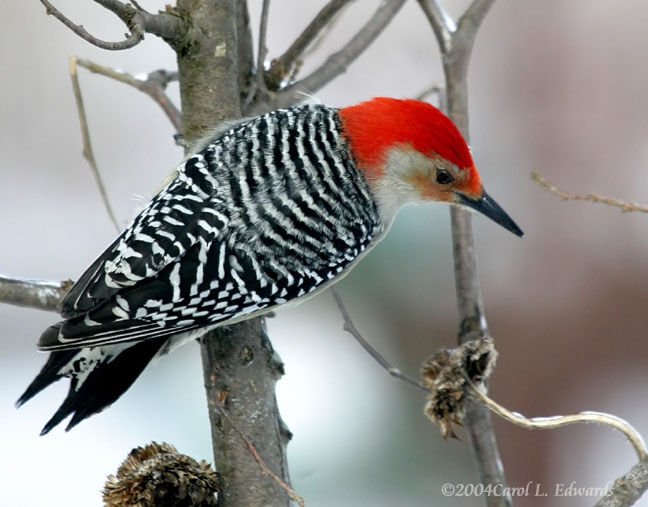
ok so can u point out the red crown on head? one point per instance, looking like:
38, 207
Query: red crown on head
376, 125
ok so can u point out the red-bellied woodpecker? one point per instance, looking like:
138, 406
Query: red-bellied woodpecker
274, 209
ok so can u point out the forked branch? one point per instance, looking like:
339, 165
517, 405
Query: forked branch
154, 86
137, 20
338, 62
288, 63
456, 40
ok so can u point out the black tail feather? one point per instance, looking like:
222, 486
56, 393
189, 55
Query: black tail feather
106, 381
48, 374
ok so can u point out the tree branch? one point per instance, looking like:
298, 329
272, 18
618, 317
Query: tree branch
88, 154
475, 14
456, 47
349, 326
625, 206
283, 66
164, 24
245, 53
627, 489
442, 23
153, 86
39, 294
240, 368
262, 53
135, 37
338, 62
138, 22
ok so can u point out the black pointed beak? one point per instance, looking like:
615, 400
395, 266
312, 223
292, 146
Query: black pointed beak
487, 206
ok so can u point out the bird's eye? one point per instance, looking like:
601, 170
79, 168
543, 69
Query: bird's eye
443, 177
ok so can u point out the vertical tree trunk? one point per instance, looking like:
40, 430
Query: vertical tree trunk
472, 324
240, 367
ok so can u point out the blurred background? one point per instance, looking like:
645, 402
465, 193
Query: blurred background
558, 86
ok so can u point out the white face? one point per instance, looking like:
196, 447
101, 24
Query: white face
412, 177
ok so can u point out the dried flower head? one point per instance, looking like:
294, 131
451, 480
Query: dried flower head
158, 475
446, 375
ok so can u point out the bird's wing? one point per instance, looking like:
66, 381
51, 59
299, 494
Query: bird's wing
171, 224
263, 216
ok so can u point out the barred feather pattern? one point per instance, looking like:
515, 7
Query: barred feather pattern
265, 214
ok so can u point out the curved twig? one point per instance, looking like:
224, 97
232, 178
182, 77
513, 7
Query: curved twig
135, 36
625, 206
558, 421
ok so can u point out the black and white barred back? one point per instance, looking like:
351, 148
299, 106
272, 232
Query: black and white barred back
267, 213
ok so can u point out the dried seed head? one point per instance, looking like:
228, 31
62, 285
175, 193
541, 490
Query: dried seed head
158, 475
446, 375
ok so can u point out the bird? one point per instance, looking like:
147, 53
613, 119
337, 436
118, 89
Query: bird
267, 211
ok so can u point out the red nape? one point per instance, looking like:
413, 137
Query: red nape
380, 123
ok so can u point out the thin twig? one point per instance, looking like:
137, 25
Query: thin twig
87, 145
349, 326
134, 37
39, 294
289, 62
153, 86
628, 489
442, 23
625, 206
558, 421
264, 468
338, 62
291, 492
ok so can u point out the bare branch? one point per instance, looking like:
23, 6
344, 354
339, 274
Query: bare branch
558, 421
442, 23
338, 62
628, 489
39, 294
87, 145
282, 67
456, 43
137, 20
153, 86
135, 37
350, 327
475, 14
262, 53
625, 206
